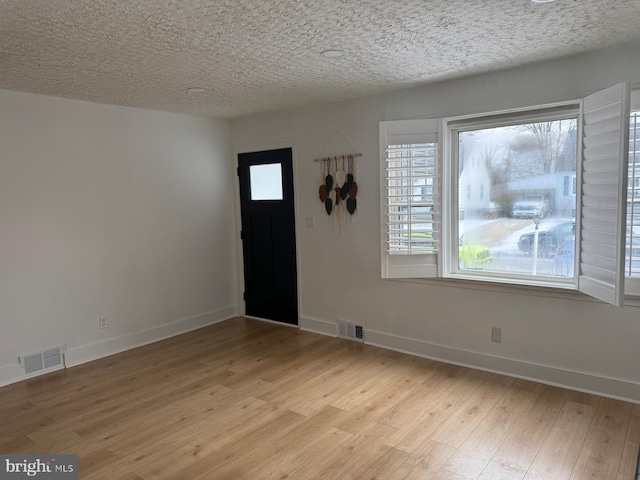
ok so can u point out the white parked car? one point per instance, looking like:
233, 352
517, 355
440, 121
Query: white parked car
530, 206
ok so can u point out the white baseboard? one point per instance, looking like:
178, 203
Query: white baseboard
316, 325
86, 353
616, 388
620, 389
581, 381
10, 374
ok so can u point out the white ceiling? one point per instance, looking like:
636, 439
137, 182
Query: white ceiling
254, 55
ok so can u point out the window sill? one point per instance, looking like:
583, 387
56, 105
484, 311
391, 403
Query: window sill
564, 293
631, 300
529, 282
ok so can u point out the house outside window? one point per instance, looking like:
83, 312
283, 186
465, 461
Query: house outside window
522, 166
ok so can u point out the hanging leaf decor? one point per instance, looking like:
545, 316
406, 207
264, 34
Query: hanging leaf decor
344, 191
329, 182
338, 189
323, 193
328, 206
351, 205
349, 181
341, 180
353, 191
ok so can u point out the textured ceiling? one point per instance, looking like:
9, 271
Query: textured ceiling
254, 56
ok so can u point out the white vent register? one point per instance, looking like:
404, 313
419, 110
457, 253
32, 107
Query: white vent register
351, 331
42, 361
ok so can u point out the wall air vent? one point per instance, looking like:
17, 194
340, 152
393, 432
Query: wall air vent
43, 361
351, 331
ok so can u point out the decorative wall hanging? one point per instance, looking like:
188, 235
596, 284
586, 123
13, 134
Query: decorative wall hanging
338, 187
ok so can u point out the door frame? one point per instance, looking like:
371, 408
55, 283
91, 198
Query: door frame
242, 308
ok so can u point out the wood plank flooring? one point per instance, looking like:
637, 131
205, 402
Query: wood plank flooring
251, 400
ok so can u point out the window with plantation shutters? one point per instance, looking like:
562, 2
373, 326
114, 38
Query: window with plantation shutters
534, 196
410, 187
412, 181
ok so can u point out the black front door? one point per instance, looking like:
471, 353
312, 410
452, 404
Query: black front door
268, 235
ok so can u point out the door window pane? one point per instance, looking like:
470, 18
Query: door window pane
266, 181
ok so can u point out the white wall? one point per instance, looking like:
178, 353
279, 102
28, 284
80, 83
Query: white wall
583, 344
110, 211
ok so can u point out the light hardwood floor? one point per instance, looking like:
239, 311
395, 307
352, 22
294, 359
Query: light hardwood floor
251, 400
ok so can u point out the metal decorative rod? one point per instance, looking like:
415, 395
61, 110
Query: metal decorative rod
338, 157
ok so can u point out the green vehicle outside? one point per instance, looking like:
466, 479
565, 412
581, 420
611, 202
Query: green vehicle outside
470, 254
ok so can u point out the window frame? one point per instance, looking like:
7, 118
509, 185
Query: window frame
452, 127
408, 132
632, 284
603, 111
254, 171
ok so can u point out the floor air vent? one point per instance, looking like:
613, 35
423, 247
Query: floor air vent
42, 361
350, 331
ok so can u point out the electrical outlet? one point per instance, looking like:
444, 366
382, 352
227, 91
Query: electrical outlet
103, 322
496, 334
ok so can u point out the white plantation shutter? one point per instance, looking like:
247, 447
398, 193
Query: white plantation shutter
410, 174
605, 150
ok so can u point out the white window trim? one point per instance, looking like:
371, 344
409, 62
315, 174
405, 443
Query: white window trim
450, 233
447, 229
632, 284
405, 132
